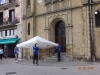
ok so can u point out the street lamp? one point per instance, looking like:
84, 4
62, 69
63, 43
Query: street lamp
96, 12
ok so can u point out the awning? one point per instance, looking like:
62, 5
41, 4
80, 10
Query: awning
9, 41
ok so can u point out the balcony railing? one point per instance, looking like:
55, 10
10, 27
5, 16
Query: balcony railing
9, 22
8, 5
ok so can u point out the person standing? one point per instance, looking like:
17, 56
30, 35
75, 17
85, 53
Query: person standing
58, 52
35, 54
16, 53
1, 53
5, 51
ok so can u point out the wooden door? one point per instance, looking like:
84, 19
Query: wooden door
60, 35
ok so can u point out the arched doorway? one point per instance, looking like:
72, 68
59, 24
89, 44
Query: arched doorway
60, 35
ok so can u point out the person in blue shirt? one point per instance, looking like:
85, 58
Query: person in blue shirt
16, 53
35, 54
58, 52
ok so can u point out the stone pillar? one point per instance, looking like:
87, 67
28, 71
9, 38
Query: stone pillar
69, 42
86, 32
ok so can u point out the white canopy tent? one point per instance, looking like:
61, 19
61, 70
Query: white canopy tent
41, 42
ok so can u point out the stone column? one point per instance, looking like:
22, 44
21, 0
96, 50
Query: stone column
86, 31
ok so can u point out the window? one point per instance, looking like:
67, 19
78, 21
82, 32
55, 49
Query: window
15, 33
0, 33
11, 32
97, 18
12, 15
2, 2
8, 32
28, 28
28, 2
1, 18
11, 1
5, 32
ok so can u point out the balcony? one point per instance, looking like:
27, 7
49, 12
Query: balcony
9, 5
8, 23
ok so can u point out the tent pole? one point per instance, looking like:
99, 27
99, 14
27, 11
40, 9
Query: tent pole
49, 52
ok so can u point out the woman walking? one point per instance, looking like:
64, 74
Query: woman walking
16, 53
1, 53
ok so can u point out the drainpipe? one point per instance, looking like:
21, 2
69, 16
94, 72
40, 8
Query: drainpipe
91, 31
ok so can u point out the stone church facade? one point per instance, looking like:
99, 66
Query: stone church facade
66, 22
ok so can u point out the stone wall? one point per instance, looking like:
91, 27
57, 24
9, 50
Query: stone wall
96, 32
76, 19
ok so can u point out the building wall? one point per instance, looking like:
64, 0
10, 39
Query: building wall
11, 25
27, 11
72, 17
96, 31
75, 15
6, 16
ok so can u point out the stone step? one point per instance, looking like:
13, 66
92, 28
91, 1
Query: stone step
51, 58
54, 56
60, 53
55, 59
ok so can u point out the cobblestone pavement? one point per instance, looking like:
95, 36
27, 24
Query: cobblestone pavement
9, 67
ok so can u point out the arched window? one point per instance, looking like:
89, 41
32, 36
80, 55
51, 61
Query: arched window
97, 18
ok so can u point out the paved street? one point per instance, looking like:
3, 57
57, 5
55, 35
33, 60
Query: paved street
48, 68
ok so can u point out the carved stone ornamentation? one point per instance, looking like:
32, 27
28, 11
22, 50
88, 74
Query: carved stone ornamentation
56, 6
47, 1
48, 8
65, 4
84, 1
28, 10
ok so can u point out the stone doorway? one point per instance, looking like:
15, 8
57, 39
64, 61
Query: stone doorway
60, 34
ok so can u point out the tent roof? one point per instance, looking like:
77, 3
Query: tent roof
41, 42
